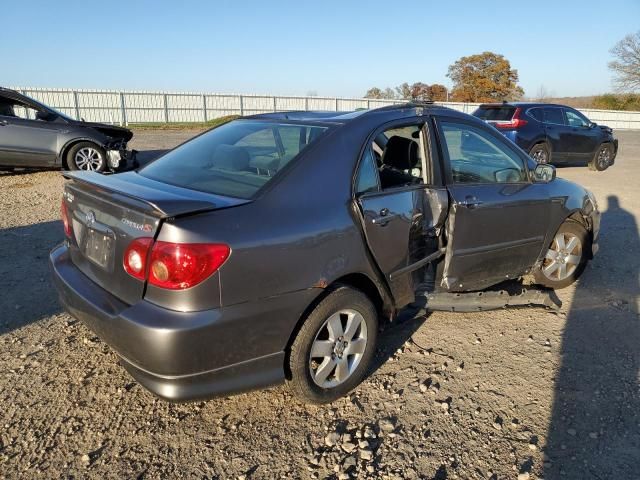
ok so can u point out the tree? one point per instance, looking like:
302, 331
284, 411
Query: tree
374, 92
438, 93
403, 91
485, 77
626, 66
420, 91
543, 94
388, 94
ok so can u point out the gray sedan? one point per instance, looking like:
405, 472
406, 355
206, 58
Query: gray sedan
269, 248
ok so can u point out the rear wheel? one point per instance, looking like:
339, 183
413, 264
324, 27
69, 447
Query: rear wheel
331, 353
86, 156
566, 257
602, 158
540, 153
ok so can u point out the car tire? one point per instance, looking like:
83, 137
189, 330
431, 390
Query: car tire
540, 153
602, 158
344, 321
565, 260
86, 156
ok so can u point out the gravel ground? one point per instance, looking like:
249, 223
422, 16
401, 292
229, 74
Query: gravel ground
521, 393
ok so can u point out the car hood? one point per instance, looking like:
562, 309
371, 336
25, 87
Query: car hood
109, 130
605, 128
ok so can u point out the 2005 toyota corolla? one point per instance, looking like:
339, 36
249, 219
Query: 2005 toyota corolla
267, 249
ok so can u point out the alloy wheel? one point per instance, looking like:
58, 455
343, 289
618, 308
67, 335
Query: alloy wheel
603, 157
563, 257
540, 156
338, 348
88, 158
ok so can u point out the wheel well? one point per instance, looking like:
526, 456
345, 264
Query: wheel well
69, 146
577, 217
359, 281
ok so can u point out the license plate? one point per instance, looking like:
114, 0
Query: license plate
99, 248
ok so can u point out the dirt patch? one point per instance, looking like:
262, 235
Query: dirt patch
522, 393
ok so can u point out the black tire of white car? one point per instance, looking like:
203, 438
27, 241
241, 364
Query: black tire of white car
559, 256
602, 158
86, 156
540, 153
304, 379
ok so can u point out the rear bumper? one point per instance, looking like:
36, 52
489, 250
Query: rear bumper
183, 356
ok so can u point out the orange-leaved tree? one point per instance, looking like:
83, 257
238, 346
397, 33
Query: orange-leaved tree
485, 77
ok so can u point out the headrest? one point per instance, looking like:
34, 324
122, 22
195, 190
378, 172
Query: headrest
400, 153
230, 157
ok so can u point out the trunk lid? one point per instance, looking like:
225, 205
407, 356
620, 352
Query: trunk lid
108, 212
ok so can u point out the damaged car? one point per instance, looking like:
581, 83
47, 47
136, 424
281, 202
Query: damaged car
33, 135
268, 249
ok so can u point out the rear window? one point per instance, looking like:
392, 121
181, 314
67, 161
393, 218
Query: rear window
235, 159
497, 114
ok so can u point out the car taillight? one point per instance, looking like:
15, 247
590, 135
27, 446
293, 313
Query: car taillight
515, 122
174, 266
66, 221
135, 257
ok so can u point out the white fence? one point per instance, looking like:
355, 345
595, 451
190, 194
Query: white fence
125, 107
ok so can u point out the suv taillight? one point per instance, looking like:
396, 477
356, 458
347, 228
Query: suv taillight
515, 122
174, 266
66, 221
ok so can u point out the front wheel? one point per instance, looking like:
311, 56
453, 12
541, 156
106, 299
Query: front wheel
602, 158
86, 156
566, 257
332, 352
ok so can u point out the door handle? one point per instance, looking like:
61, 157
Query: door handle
383, 218
471, 202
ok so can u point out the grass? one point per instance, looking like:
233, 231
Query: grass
183, 125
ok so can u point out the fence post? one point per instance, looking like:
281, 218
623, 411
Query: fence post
241, 106
275, 108
75, 101
306, 104
166, 108
336, 104
204, 108
123, 110
368, 104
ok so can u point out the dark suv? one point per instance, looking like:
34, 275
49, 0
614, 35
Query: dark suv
33, 135
553, 133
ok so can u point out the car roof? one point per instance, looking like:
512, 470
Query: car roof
522, 104
389, 112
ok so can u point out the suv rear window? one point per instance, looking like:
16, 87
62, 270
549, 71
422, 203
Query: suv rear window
497, 114
235, 159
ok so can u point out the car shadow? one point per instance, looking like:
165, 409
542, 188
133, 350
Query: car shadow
28, 294
594, 432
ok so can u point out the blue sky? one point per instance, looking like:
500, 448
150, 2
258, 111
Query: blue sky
334, 48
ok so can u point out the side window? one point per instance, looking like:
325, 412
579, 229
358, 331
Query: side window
574, 119
399, 156
553, 115
536, 113
476, 156
367, 179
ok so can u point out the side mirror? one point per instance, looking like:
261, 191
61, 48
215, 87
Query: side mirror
544, 173
44, 115
592, 125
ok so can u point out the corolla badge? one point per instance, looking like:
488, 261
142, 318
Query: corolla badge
90, 217
138, 226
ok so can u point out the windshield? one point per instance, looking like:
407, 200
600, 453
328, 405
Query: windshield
235, 159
